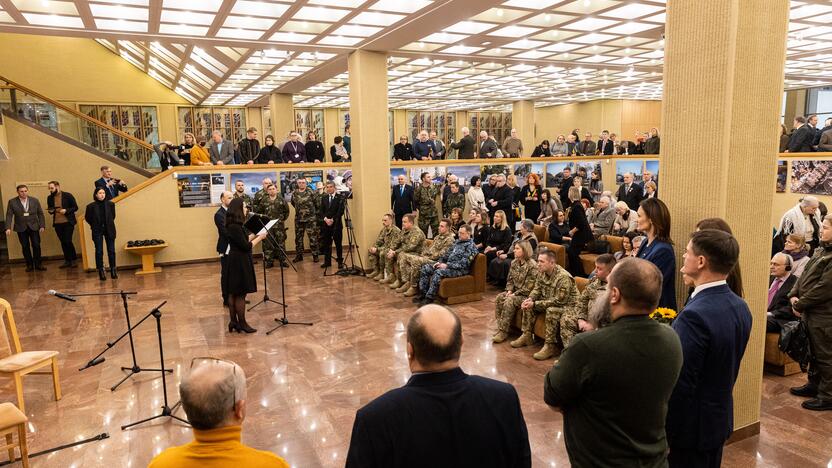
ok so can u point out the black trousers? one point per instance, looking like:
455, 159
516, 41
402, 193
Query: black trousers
399, 217
30, 242
98, 240
692, 458
64, 232
223, 286
330, 234
820, 365
573, 253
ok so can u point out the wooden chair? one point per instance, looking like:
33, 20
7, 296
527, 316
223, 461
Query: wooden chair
15, 363
11, 421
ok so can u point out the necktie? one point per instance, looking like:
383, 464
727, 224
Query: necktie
401, 191
330, 199
775, 286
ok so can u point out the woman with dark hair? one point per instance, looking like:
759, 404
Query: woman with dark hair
596, 186
499, 239
314, 148
475, 196
240, 279
498, 268
559, 229
530, 197
579, 232
548, 207
654, 220
542, 150
627, 247
101, 216
269, 153
456, 220
734, 278
653, 144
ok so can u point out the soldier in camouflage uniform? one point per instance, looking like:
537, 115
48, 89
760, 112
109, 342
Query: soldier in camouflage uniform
275, 207
411, 264
410, 240
240, 192
577, 320
521, 279
455, 199
456, 261
554, 293
377, 254
306, 204
258, 196
424, 196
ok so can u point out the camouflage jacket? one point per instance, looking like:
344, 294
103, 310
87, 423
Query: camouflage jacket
274, 209
425, 198
307, 205
258, 196
246, 198
409, 241
522, 277
556, 289
387, 236
440, 244
593, 289
460, 256
453, 200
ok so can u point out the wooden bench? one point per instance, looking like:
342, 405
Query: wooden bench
559, 250
776, 361
465, 288
588, 259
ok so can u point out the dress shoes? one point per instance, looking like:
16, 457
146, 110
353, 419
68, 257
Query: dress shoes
326, 265
816, 404
269, 265
101, 275
30, 268
806, 391
113, 273
245, 327
315, 259
40, 267
65, 265
418, 298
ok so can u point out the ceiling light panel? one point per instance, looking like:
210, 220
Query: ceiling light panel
118, 12
186, 17
356, 30
212, 6
513, 31
183, 29
320, 14
248, 22
54, 20
121, 25
46, 7
371, 18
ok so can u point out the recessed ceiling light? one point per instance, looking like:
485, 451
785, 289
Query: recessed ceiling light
421, 45
500, 12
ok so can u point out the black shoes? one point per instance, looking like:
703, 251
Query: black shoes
806, 391
298, 258
113, 273
425, 301
244, 327
326, 264
269, 264
418, 298
65, 265
816, 404
232, 327
40, 267
315, 259
101, 275
30, 268
284, 264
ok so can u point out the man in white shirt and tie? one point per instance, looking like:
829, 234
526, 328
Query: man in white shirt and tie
401, 200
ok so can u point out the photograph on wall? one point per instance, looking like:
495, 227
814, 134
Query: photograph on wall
653, 168
585, 169
522, 171
782, 174
554, 172
488, 171
437, 174
395, 172
253, 181
464, 173
218, 186
342, 178
812, 177
194, 190
289, 181
623, 167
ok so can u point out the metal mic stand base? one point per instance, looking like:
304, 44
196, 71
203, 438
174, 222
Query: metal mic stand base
166, 412
283, 322
133, 371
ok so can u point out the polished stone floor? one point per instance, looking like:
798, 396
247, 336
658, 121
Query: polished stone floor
304, 383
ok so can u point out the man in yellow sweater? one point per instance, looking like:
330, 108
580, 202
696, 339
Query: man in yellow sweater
214, 398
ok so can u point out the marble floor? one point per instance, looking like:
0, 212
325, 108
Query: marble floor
304, 383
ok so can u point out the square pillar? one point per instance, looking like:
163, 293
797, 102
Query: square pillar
282, 113
522, 118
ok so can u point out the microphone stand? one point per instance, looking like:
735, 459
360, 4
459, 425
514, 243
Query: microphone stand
167, 411
282, 252
98, 359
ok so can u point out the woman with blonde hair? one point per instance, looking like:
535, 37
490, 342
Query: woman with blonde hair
559, 148
511, 182
499, 238
521, 277
199, 155
797, 248
183, 152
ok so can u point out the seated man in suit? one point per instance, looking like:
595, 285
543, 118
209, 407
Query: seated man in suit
604, 218
112, 186
781, 281
442, 416
713, 328
214, 398
456, 261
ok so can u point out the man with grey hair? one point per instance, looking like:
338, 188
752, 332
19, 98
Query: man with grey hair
780, 283
213, 396
630, 193
438, 417
802, 219
221, 151
512, 145
466, 145
487, 146
604, 218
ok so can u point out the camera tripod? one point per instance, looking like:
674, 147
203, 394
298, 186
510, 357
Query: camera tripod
353, 249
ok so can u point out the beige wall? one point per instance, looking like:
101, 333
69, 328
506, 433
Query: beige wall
4, 141
37, 159
618, 116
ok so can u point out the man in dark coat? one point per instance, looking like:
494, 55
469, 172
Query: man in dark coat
24, 216
565, 183
112, 186
332, 230
442, 417
802, 138
222, 240
629, 192
63, 208
780, 283
465, 146
401, 200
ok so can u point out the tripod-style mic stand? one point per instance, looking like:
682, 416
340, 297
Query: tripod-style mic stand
266, 298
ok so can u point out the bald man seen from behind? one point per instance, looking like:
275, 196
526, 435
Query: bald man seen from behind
442, 417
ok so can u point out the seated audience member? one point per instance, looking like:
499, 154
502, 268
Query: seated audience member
314, 148
626, 220
653, 144
249, 147
456, 220
410, 264
269, 153
409, 240
627, 249
576, 320
520, 282
499, 267
437, 418
587, 146
446, 190
559, 147
499, 237
402, 151
638, 241
638, 143
377, 254
559, 229
199, 155
112, 186
166, 152
338, 152
650, 190
637, 357
542, 150
554, 294
480, 228
455, 199
798, 250
530, 198
802, 219
781, 282
579, 232
213, 395
456, 261
475, 195
571, 145
604, 218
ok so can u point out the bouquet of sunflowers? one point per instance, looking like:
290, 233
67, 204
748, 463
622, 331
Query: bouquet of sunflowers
663, 315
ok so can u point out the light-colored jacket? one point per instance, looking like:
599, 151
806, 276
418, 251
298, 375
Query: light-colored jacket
476, 199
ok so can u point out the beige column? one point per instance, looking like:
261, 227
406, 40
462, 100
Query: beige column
795, 105
282, 113
370, 151
723, 78
522, 118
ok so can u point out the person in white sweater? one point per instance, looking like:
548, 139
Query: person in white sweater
626, 220
474, 195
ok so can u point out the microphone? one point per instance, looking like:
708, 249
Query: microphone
94, 362
63, 296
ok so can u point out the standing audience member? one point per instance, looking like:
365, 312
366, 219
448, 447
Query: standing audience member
240, 278
596, 186
811, 298
519, 284
439, 149
221, 151
487, 146
314, 149
199, 155
713, 328
587, 146
780, 284
456, 261
653, 144
63, 207
166, 153
530, 197
213, 395
24, 216
802, 219
222, 243
401, 200
402, 151
566, 182
455, 200
332, 230
273, 206
501, 198
249, 147
305, 201
423, 147
184, 150
735, 276
437, 418
636, 356
605, 146
101, 216
269, 154
338, 152
579, 233
638, 142
548, 207
475, 195
542, 150
654, 220
466, 146
514, 190
802, 137
512, 145
348, 140
293, 150
629, 192
797, 249
446, 190
571, 145
112, 186
424, 198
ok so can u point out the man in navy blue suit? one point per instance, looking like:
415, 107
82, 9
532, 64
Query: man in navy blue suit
112, 187
222, 240
401, 200
714, 328
442, 417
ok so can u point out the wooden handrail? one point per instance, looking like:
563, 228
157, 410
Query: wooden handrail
77, 114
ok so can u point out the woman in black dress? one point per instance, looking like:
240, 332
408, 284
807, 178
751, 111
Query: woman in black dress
499, 239
101, 216
239, 277
530, 198
579, 232
314, 148
480, 228
498, 268
559, 229
269, 153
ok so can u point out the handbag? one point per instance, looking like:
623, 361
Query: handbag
794, 341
